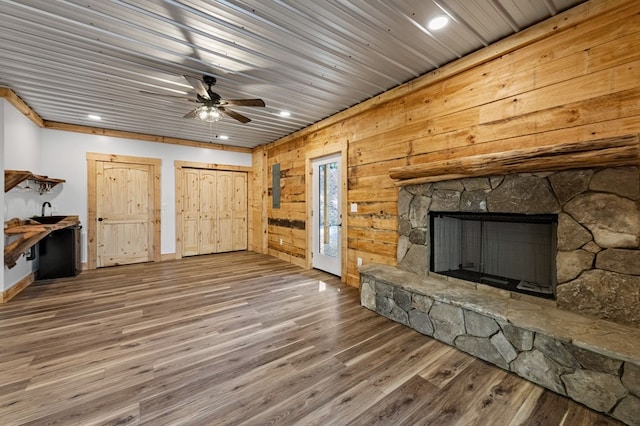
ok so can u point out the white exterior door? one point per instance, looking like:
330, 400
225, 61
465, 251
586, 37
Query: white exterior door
326, 214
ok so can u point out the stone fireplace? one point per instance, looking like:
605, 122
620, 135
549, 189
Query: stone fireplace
583, 342
598, 230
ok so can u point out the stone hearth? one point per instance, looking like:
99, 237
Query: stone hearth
598, 258
592, 361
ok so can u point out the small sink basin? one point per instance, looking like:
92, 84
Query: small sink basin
48, 220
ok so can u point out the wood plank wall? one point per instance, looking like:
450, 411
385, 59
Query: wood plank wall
573, 78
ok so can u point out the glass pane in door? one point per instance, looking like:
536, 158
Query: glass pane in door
329, 214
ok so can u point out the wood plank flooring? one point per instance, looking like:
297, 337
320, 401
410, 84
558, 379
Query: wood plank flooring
241, 338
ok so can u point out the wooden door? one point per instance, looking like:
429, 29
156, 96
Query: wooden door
225, 211
125, 213
213, 215
208, 212
239, 214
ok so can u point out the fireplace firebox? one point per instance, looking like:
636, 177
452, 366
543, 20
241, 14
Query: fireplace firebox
514, 252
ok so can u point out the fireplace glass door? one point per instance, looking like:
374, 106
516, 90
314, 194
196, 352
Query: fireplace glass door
513, 252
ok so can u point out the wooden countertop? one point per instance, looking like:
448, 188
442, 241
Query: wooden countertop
29, 232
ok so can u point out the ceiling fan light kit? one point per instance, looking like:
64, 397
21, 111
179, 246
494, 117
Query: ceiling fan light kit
209, 114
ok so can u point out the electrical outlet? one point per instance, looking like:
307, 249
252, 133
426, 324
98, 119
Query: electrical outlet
354, 207
359, 261
280, 241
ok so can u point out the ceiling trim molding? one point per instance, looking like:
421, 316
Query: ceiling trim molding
139, 136
26, 110
554, 25
21, 105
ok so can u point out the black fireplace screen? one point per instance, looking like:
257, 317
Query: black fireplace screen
510, 251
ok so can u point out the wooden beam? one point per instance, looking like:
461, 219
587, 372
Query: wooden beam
140, 136
21, 105
610, 152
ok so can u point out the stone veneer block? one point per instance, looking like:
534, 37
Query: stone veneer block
420, 322
482, 348
534, 196
571, 235
593, 361
414, 260
627, 410
555, 350
506, 349
444, 200
622, 181
570, 264
593, 210
631, 378
418, 215
473, 201
448, 322
536, 367
609, 295
404, 201
568, 184
619, 260
421, 303
600, 391
479, 325
521, 339
368, 295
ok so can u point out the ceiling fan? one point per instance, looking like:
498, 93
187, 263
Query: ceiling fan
212, 105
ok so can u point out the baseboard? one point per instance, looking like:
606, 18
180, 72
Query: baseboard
168, 256
17, 287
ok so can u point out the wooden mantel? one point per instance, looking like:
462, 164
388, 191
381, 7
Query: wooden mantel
610, 152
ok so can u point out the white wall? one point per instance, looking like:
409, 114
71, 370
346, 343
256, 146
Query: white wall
64, 155
60, 154
21, 151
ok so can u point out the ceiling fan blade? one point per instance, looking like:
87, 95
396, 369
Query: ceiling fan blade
198, 86
162, 95
191, 114
241, 118
243, 102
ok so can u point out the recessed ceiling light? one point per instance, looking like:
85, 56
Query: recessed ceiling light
438, 22
94, 117
285, 114
223, 137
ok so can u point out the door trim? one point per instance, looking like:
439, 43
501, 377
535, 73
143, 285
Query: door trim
92, 201
178, 166
309, 157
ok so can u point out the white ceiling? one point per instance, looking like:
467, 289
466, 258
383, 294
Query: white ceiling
70, 58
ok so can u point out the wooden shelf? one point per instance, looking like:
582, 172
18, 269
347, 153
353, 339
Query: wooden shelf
12, 178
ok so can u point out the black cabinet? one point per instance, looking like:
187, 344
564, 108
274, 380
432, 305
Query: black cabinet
59, 254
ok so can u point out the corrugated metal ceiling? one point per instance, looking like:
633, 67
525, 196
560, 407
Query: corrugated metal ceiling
70, 58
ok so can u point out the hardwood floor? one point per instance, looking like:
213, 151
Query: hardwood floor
241, 338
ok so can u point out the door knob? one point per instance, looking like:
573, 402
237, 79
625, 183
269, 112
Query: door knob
100, 219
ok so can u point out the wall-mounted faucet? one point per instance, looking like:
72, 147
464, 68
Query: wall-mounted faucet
45, 204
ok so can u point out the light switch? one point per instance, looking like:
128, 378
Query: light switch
354, 207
